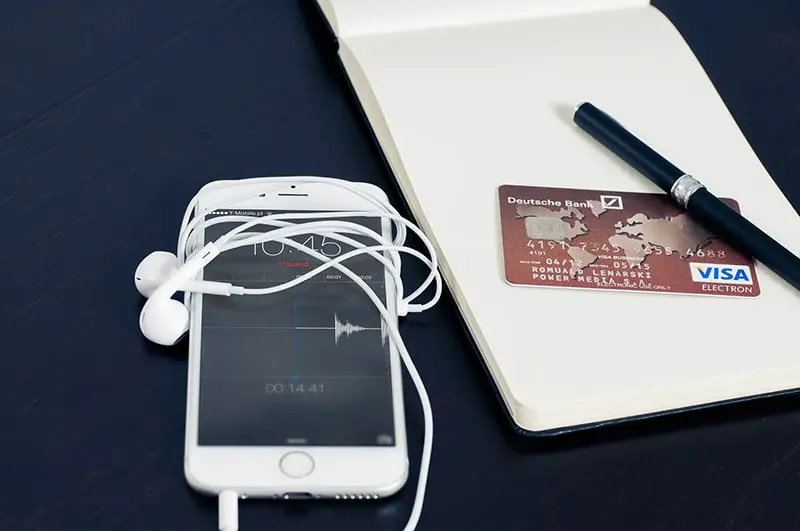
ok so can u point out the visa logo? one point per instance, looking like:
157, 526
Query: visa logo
721, 273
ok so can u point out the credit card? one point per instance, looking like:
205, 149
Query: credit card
608, 240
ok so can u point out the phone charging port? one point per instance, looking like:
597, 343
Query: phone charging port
298, 496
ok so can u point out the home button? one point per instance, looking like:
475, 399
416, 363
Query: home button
297, 464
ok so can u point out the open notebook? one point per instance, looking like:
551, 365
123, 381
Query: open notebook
466, 96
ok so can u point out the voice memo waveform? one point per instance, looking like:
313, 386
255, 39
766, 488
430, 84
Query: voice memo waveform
346, 328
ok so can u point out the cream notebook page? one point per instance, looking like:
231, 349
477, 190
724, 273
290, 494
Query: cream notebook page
461, 109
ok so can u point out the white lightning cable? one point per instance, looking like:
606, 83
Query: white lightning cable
228, 511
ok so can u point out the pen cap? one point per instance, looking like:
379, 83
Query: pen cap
626, 146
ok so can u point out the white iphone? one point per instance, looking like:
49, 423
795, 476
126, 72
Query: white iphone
295, 394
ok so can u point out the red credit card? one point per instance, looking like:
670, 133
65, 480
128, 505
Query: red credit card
630, 241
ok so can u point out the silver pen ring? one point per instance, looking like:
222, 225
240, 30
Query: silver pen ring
684, 188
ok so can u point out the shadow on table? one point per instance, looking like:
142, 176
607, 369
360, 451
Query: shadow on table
727, 415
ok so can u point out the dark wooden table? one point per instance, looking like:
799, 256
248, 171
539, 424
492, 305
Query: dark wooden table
113, 113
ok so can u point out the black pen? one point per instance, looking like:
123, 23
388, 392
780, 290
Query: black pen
689, 193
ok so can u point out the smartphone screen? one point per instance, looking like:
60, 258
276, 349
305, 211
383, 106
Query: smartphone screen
308, 366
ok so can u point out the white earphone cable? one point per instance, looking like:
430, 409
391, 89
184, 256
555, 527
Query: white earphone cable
326, 223
394, 332
281, 235
306, 228
280, 183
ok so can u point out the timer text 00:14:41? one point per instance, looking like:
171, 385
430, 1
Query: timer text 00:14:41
278, 388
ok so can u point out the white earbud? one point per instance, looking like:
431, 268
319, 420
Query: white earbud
154, 270
164, 320
159, 266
